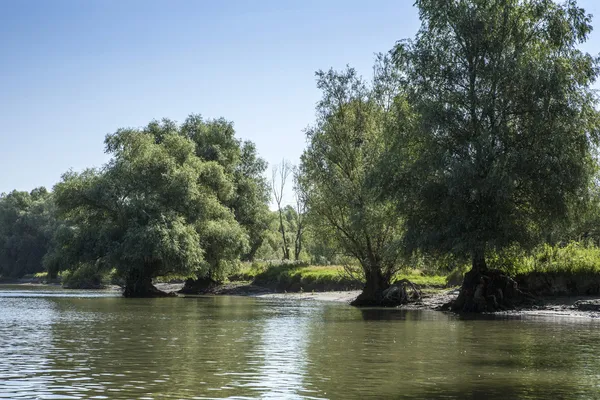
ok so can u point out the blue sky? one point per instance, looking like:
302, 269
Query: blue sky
73, 71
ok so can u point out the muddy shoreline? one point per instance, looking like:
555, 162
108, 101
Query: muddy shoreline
550, 306
558, 306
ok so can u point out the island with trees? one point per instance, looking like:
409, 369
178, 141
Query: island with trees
471, 152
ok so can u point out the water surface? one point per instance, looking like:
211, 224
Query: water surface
57, 344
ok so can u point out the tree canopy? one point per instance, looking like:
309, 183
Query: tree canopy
344, 146
215, 140
154, 209
507, 124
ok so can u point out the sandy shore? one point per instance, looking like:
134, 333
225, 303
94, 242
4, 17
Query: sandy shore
342, 297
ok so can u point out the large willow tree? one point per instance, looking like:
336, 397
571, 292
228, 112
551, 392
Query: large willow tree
215, 140
154, 209
345, 144
508, 122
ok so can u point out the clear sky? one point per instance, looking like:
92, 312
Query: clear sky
73, 71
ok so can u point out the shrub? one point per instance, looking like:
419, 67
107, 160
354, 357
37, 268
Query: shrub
85, 277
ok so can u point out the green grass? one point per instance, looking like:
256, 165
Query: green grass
423, 280
172, 278
290, 274
574, 258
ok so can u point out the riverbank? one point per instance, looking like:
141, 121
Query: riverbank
432, 300
571, 307
558, 294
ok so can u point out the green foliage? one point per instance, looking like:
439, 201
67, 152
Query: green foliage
154, 209
344, 146
501, 151
246, 191
457, 275
294, 276
224, 241
476, 140
314, 250
85, 277
574, 258
283, 274
26, 224
429, 281
215, 141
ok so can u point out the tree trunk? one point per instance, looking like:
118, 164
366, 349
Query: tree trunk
199, 286
254, 246
139, 284
298, 244
485, 290
286, 250
372, 294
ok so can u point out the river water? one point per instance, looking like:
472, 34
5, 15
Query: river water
57, 344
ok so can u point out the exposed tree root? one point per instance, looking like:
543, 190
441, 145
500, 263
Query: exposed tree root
401, 292
199, 286
488, 291
144, 288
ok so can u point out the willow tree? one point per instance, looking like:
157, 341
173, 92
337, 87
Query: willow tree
344, 145
508, 122
216, 140
26, 224
154, 209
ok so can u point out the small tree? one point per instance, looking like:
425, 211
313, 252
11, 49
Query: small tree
279, 179
507, 120
299, 215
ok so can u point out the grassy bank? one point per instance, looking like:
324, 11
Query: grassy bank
570, 269
294, 277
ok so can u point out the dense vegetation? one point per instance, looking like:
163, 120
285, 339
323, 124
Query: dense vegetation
474, 143
27, 224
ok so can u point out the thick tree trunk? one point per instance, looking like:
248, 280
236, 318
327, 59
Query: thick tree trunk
485, 290
139, 284
254, 246
199, 286
372, 294
298, 243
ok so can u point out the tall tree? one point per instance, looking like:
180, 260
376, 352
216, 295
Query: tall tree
344, 146
508, 123
154, 209
279, 180
299, 215
250, 203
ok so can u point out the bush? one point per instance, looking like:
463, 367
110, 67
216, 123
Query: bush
85, 277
